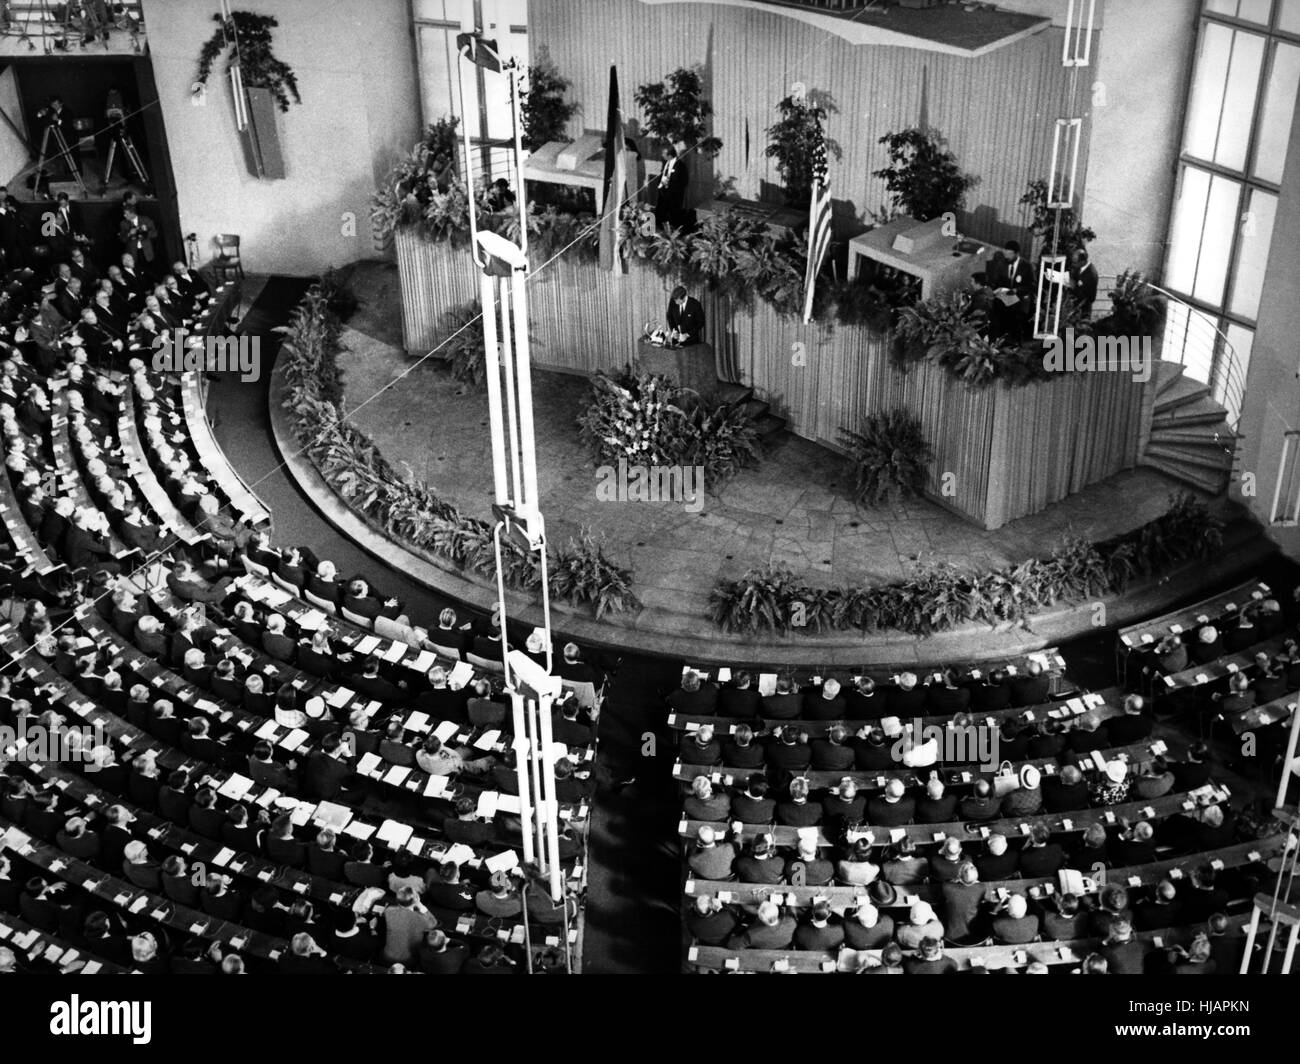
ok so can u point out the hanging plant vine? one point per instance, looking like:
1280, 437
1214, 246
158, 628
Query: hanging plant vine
247, 37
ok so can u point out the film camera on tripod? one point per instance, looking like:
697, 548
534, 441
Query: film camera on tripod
120, 140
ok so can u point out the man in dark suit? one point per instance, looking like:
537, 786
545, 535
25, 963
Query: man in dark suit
674, 180
685, 318
1083, 281
1012, 280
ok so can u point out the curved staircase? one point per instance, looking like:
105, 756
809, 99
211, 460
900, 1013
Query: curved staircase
1190, 439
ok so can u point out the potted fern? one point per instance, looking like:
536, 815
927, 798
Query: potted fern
891, 457
545, 111
923, 178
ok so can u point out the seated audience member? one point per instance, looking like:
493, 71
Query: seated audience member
789, 752
991, 694
946, 697
785, 703
1061, 918
831, 753
1066, 791
890, 963
761, 864
700, 747
739, 698
892, 809
929, 959
1027, 798
806, 864
946, 861
1032, 687
981, 803
921, 924
752, 805
936, 807
826, 704
1134, 845
740, 750
1207, 645
1111, 786
866, 927
857, 868
798, 811
771, 929
1155, 780
821, 933
712, 859
1162, 909
866, 701
871, 752
704, 804
695, 696
998, 861
710, 923
842, 806
1015, 925
1041, 856
1124, 955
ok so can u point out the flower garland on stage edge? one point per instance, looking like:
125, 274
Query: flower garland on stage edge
644, 420
939, 596
405, 508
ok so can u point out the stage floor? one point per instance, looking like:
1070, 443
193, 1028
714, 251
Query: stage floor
793, 508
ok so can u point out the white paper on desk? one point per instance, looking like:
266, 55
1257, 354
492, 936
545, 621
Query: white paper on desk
766, 683
488, 739
273, 595
235, 788
223, 856
1092, 699
267, 797
461, 674
445, 730
502, 862
897, 834
397, 775
332, 815
369, 764
359, 829
302, 814
294, 739
395, 833
806, 834
311, 620
414, 845
1076, 705
367, 645
724, 675
426, 659
339, 697
487, 805
418, 722
508, 803
458, 853
394, 652
436, 785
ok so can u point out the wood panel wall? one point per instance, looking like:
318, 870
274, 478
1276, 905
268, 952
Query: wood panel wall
996, 111
1012, 451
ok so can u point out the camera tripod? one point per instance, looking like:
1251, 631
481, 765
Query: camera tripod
64, 153
122, 139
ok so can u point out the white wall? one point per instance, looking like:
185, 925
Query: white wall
356, 73
1134, 97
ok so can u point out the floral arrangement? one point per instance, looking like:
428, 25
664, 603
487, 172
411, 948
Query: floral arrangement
645, 420
246, 38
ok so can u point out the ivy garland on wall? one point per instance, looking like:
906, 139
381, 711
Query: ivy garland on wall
246, 38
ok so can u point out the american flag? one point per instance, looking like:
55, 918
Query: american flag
819, 224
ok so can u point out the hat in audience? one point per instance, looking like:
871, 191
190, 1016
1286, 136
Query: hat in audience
882, 893
867, 914
1029, 778
1017, 906
1116, 771
314, 707
706, 835
1208, 634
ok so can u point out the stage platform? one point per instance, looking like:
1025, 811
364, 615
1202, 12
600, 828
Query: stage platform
794, 509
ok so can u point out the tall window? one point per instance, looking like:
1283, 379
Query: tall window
437, 22
1239, 112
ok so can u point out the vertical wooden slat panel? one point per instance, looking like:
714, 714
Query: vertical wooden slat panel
1012, 451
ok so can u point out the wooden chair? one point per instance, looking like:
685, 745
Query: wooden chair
227, 263
358, 619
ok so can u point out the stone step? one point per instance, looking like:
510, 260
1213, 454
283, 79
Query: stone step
1167, 375
1210, 436
769, 425
1214, 483
1202, 412
1206, 457
1183, 392
755, 408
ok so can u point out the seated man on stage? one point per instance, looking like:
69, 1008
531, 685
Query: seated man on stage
1012, 280
685, 318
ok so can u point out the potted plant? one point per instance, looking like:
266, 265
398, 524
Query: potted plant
676, 111
792, 141
1137, 309
890, 457
545, 110
1070, 233
922, 177
264, 82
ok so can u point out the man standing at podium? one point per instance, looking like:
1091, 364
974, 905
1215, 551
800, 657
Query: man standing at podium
685, 318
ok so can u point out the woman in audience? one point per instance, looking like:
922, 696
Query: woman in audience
451, 633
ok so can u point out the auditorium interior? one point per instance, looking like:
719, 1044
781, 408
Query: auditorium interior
650, 487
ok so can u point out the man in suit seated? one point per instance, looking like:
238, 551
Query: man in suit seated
695, 696
1083, 282
1013, 282
685, 318
1032, 687
824, 703
785, 703
740, 697
893, 808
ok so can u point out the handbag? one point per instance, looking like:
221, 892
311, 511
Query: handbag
1006, 780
